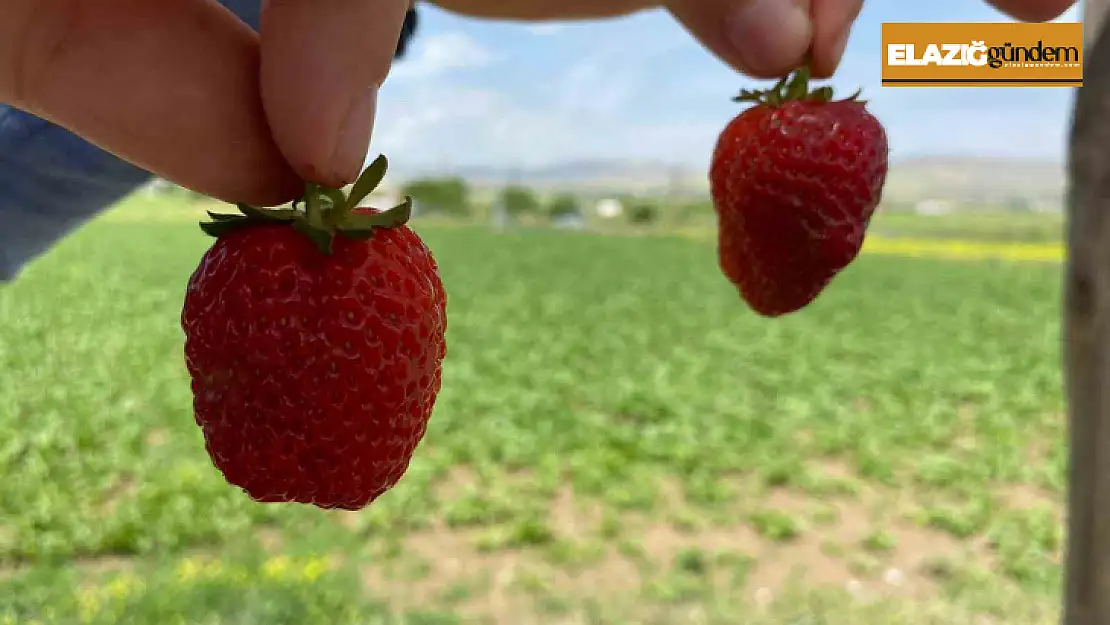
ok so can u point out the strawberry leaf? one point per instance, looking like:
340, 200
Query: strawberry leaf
264, 214
367, 181
392, 218
322, 212
823, 94
221, 227
793, 86
856, 95
747, 95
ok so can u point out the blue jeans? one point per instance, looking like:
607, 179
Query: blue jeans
52, 181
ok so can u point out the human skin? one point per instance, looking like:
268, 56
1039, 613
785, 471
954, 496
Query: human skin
195, 96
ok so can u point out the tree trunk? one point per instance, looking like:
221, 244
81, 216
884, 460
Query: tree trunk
1087, 334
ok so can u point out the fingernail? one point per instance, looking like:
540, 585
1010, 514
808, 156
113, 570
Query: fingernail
353, 141
769, 35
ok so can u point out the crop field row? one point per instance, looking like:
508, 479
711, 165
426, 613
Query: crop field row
618, 440
1020, 238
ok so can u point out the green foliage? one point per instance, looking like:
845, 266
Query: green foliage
1013, 226
643, 212
692, 210
617, 375
246, 589
563, 204
449, 196
519, 200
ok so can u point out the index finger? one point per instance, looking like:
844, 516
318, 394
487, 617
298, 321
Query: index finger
832, 23
322, 64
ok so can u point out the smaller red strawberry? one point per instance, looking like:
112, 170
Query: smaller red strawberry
795, 180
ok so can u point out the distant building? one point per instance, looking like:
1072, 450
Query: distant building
609, 208
934, 207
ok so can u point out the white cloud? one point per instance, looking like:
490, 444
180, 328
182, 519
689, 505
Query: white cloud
441, 53
430, 116
623, 95
613, 75
546, 29
593, 86
588, 107
465, 124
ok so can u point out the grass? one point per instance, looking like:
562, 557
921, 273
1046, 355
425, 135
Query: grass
618, 440
998, 226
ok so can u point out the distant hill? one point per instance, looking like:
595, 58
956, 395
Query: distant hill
965, 178
586, 175
975, 179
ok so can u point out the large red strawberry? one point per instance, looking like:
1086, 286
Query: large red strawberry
315, 358
794, 179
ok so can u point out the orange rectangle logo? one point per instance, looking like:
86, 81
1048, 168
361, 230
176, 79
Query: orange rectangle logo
989, 54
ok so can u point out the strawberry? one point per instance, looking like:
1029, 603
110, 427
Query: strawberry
794, 179
315, 359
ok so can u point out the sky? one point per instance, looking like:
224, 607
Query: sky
505, 94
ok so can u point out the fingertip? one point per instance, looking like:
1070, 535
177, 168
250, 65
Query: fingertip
321, 65
832, 27
1033, 10
273, 190
761, 38
769, 37
827, 59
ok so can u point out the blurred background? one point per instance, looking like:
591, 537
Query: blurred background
618, 439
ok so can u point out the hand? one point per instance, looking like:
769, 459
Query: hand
762, 38
184, 89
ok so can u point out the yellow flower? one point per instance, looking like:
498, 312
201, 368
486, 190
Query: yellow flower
188, 569
213, 569
275, 568
88, 605
964, 250
122, 586
315, 567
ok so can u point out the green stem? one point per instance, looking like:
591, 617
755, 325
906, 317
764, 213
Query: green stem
326, 212
312, 204
337, 208
794, 86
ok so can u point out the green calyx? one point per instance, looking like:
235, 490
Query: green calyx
793, 86
322, 212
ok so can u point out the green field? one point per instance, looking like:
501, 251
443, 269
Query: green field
987, 226
618, 440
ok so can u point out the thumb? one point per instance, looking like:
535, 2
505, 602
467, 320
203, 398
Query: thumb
762, 38
322, 64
